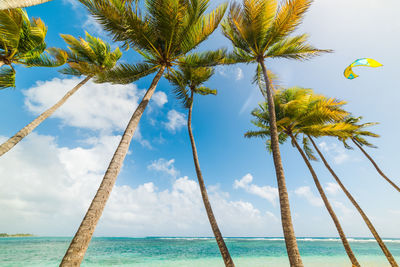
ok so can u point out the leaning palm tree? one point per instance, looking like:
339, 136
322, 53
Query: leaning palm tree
298, 110
89, 58
9, 4
260, 30
22, 42
355, 204
187, 82
163, 33
358, 138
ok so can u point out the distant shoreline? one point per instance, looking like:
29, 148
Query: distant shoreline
15, 235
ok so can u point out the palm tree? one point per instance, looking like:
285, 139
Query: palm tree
187, 82
162, 34
358, 139
260, 30
88, 57
298, 111
9, 4
356, 205
22, 41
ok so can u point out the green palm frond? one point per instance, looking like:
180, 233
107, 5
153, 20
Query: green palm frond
307, 149
258, 30
58, 58
294, 48
7, 77
358, 134
90, 56
126, 73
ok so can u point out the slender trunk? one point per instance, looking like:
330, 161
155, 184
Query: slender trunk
376, 165
10, 143
214, 226
355, 204
81, 240
287, 225
1, 63
327, 205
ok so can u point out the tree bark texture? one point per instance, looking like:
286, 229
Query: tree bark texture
355, 204
376, 166
213, 222
287, 225
10, 143
81, 240
328, 206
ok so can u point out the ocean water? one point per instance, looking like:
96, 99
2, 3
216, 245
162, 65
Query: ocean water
192, 252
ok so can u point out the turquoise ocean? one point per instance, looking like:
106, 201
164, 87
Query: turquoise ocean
192, 252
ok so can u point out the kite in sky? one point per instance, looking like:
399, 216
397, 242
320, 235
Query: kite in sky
367, 62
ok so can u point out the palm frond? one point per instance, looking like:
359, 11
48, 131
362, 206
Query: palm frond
7, 77
126, 73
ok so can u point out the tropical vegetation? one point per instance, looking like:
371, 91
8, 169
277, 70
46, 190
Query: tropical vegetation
167, 34
22, 42
162, 33
188, 82
88, 58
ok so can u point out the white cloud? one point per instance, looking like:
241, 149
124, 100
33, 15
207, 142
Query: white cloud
160, 98
267, 192
337, 152
163, 165
332, 188
93, 27
46, 189
176, 121
305, 192
94, 106
239, 74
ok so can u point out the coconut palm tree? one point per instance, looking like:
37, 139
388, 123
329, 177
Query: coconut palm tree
9, 4
163, 33
260, 30
188, 82
22, 42
89, 58
298, 111
358, 138
356, 205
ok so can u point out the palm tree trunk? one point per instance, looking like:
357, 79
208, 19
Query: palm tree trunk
355, 204
287, 225
9, 4
376, 165
10, 143
81, 240
214, 226
327, 205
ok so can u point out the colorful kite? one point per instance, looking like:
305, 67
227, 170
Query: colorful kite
367, 62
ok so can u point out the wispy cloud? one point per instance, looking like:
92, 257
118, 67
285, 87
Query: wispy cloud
305, 192
176, 121
267, 192
165, 166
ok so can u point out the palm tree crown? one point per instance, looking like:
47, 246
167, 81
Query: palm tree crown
260, 29
22, 41
300, 111
90, 56
166, 31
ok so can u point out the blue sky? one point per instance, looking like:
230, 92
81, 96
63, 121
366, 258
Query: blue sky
47, 181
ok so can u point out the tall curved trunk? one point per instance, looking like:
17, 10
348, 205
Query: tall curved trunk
81, 240
355, 204
376, 165
213, 222
327, 205
10, 143
287, 225
9, 4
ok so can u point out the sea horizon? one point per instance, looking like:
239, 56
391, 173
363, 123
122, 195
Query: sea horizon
194, 251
